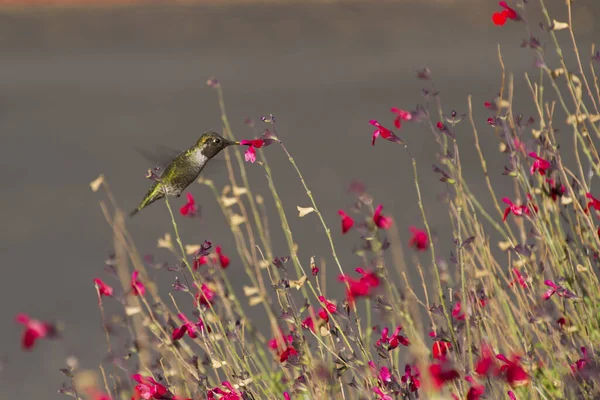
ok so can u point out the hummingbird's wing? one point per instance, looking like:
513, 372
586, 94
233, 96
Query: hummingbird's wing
160, 157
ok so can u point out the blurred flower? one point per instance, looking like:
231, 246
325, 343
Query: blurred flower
440, 349
223, 259
309, 323
347, 221
519, 278
486, 362
199, 261
34, 330
230, 394
511, 395
580, 364
189, 327
380, 220
539, 164
250, 155
286, 396
517, 210
284, 339
457, 312
362, 287
401, 115
419, 239
513, 373
138, 288
499, 18
189, 209
103, 289
593, 203
383, 132
476, 390
410, 379
559, 290
442, 373
287, 353
148, 388
381, 395
204, 296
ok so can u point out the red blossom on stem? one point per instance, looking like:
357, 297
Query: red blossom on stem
559, 290
287, 353
401, 115
34, 330
580, 364
230, 394
419, 239
593, 203
381, 220
410, 379
499, 18
440, 349
198, 262
189, 209
519, 278
362, 287
204, 296
103, 289
512, 371
309, 323
137, 287
250, 154
347, 221
486, 363
476, 390
148, 388
394, 340
539, 164
383, 132
442, 373
283, 339
191, 328
457, 312
223, 259
517, 210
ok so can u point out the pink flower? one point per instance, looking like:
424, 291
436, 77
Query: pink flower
198, 262
362, 287
511, 395
539, 164
401, 115
499, 18
250, 154
347, 221
457, 312
419, 239
189, 327
204, 296
519, 278
514, 374
309, 323
189, 209
95, 394
381, 395
440, 349
286, 396
138, 288
383, 132
559, 290
34, 330
393, 341
332, 308
103, 289
230, 394
223, 259
381, 220
148, 388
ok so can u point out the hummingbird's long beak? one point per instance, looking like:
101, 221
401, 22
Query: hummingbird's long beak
230, 142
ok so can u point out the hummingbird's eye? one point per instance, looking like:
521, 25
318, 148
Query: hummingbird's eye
217, 141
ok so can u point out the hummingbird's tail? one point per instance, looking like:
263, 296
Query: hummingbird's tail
155, 193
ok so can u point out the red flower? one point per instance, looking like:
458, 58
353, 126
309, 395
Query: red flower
440, 349
286, 396
332, 308
594, 202
441, 373
383, 132
515, 209
519, 278
579, 364
223, 259
393, 341
189, 209
485, 361
287, 353
559, 290
347, 221
401, 115
411, 380
476, 390
275, 345
250, 154
230, 394
457, 312
514, 374
257, 143
539, 164
362, 287
419, 239
499, 18
382, 396
309, 323
381, 220
148, 388
323, 315
34, 330
199, 262
95, 394
511, 395
103, 289
189, 327
204, 296
137, 286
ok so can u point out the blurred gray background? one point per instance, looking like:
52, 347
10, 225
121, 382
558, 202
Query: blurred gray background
81, 88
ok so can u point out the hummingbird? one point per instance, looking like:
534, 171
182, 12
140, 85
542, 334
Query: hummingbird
184, 168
